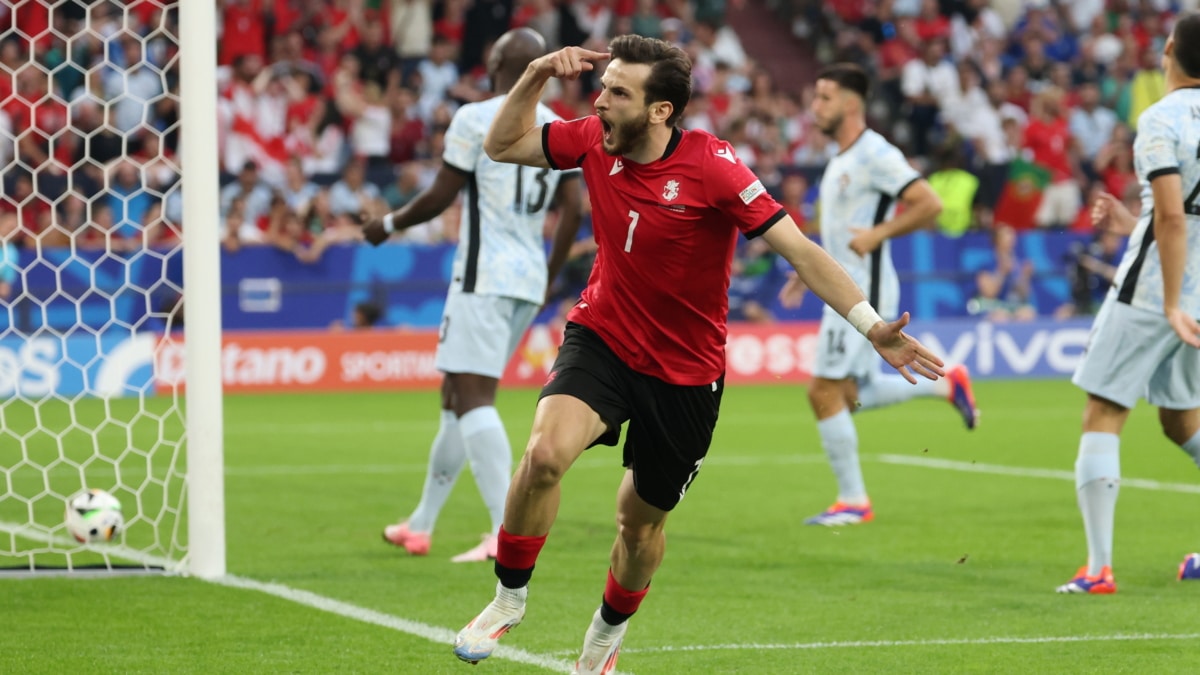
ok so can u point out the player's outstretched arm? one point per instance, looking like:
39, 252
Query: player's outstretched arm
515, 136
821, 273
424, 207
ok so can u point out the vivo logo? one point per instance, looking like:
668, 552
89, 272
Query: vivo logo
1042, 349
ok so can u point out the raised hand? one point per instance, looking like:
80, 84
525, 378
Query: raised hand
569, 63
903, 352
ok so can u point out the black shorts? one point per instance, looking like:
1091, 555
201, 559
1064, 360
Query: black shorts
670, 425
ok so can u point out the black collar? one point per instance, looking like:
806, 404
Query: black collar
676, 136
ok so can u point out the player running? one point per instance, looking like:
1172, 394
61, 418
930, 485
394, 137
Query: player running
859, 192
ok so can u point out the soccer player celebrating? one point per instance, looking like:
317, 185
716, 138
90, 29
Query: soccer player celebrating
498, 282
1144, 340
859, 191
646, 342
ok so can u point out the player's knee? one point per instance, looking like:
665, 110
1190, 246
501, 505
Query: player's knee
545, 462
825, 396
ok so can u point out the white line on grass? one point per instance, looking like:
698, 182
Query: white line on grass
1024, 472
309, 599
860, 644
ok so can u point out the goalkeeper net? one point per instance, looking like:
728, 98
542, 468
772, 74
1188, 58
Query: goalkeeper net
91, 280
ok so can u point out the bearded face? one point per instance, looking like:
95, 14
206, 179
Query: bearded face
625, 136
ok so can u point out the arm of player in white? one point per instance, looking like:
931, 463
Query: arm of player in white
821, 273
1170, 231
515, 136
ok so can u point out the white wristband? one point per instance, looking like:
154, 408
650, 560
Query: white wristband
862, 316
388, 225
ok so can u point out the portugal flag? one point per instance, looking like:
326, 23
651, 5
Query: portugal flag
1022, 194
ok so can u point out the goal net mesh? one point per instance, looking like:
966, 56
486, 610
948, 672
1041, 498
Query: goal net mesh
90, 279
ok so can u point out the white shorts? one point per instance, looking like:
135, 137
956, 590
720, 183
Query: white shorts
843, 352
1133, 353
1060, 204
479, 333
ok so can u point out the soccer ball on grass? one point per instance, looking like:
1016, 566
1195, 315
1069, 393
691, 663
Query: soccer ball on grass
94, 516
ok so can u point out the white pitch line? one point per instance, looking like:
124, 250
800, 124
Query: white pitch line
307, 598
1026, 472
860, 644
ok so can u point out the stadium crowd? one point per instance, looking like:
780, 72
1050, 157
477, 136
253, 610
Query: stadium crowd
1018, 111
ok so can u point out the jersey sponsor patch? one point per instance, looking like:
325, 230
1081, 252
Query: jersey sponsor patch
752, 192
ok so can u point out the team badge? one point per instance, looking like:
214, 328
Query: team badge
671, 190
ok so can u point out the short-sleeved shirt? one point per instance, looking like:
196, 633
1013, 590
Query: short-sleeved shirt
501, 248
665, 232
859, 190
1168, 141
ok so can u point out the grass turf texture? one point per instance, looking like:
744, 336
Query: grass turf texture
952, 555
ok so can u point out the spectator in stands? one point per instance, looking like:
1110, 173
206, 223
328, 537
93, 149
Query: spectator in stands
379, 63
411, 32
297, 190
1047, 141
1091, 268
353, 195
133, 88
1004, 293
407, 186
927, 83
255, 195
956, 188
1091, 124
438, 73
1148, 85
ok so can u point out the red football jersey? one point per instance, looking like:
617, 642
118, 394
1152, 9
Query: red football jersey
659, 290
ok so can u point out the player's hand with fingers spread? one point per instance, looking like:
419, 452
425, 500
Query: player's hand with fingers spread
568, 63
903, 352
1185, 326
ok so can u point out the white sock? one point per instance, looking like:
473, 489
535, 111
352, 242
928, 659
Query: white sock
1192, 447
1097, 484
883, 390
840, 440
491, 458
446, 459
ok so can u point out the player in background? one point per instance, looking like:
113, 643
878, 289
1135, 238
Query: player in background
858, 195
1145, 339
498, 282
646, 342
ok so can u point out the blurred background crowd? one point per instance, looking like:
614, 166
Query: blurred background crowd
1018, 111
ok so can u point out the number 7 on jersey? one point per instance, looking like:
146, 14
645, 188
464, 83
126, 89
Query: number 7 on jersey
633, 221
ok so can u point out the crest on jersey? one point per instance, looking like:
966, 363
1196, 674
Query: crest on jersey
843, 183
671, 190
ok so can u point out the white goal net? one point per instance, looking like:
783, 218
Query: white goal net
91, 280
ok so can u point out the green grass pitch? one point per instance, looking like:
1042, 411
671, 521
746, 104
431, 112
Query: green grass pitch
956, 575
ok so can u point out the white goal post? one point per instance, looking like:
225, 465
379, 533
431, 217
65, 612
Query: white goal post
101, 231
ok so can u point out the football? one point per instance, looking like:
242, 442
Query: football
94, 516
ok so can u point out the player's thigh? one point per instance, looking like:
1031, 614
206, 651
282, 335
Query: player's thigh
669, 435
588, 371
842, 352
1175, 384
478, 332
1125, 349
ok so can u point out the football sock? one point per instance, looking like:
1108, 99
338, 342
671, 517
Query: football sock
1097, 483
446, 458
883, 390
515, 558
619, 603
840, 440
490, 455
1192, 447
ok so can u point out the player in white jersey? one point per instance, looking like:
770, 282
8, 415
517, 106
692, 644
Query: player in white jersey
1144, 340
858, 195
498, 282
